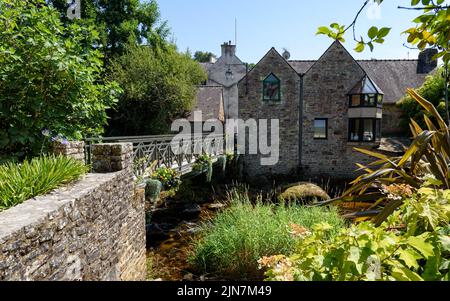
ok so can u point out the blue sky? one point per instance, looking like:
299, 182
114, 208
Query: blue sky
292, 24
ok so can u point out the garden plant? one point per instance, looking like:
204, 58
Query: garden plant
22, 181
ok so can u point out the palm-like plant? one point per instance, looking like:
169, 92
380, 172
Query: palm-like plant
429, 154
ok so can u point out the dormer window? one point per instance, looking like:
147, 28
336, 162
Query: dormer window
271, 88
366, 94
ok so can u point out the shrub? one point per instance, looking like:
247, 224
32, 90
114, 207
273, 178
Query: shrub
168, 177
152, 189
159, 86
50, 79
204, 164
431, 90
20, 182
303, 193
412, 245
232, 243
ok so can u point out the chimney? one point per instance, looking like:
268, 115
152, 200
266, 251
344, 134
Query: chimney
228, 49
426, 63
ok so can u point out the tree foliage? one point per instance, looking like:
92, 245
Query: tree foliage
120, 23
204, 57
49, 78
159, 86
433, 91
413, 245
431, 29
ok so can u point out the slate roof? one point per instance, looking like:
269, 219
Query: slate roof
301, 66
393, 77
206, 66
210, 103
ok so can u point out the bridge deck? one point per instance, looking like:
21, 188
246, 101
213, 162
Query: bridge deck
160, 149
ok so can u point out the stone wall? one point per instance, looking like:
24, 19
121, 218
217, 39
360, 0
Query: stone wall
252, 106
91, 230
390, 124
325, 96
73, 149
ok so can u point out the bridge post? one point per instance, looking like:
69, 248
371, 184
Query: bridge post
112, 157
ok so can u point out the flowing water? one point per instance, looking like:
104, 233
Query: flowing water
174, 225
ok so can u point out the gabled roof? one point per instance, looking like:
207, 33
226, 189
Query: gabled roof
393, 77
271, 51
210, 103
365, 86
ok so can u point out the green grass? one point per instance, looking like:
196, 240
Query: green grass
150, 273
232, 243
20, 182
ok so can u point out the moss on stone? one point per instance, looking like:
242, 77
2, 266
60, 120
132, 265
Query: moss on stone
303, 192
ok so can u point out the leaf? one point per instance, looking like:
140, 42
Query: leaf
421, 245
383, 32
323, 30
373, 32
404, 274
445, 242
387, 211
360, 47
410, 258
371, 153
429, 107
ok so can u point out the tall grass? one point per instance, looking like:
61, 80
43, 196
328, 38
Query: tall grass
20, 182
232, 243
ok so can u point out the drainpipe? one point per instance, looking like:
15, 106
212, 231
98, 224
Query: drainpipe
300, 125
246, 78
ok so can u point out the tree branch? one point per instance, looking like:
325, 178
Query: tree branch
353, 24
438, 7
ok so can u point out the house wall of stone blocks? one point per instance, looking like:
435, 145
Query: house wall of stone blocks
252, 106
322, 93
91, 230
325, 90
390, 125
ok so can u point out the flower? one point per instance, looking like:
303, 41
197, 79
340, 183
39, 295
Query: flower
281, 266
397, 191
61, 139
270, 262
298, 231
46, 133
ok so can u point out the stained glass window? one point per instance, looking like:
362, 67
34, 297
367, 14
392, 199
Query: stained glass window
271, 88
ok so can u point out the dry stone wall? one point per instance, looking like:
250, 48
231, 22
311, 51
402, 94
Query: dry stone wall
91, 230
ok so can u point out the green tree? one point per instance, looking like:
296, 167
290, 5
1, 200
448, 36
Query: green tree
49, 79
159, 86
204, 57
432, 90
120, 23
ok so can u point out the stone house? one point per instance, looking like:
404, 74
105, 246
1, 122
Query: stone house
209, 101
225, 72
328, 107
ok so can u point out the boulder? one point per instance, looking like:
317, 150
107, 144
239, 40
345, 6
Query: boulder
303, 193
